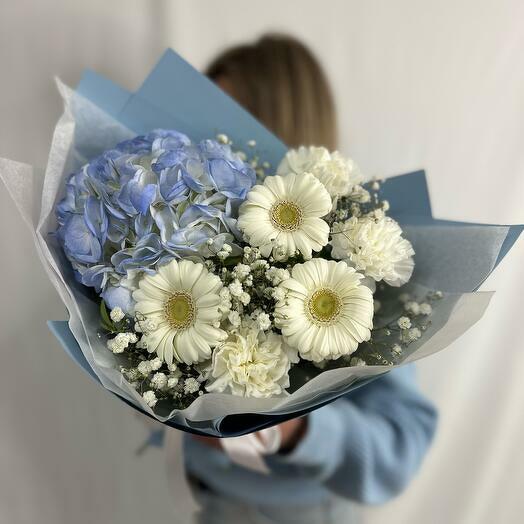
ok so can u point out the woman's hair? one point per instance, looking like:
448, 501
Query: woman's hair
279, 81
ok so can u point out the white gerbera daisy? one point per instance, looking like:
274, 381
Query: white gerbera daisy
327, 312
337, 173
375, 247
252, 364
182, 299
283, 215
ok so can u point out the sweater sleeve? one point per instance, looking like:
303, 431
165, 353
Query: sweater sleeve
367, 445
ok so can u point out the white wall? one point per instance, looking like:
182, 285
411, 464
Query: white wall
419, 84
438, 85
66, 446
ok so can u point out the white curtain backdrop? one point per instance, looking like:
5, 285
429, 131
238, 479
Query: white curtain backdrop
434, 84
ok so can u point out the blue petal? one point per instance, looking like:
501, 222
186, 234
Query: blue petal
117, 230
230, 181
143, 225
79, 242
165, 220
170, 159
95, 218
171, 187
119, 296
135, 145
141, 196
96, 276
198, 212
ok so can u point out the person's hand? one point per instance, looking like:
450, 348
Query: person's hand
212, 442
291, 433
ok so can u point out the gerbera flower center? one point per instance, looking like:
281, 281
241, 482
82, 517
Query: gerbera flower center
324, 306
180, 310
286, 215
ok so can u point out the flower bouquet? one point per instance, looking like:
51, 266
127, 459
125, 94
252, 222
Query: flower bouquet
220, 283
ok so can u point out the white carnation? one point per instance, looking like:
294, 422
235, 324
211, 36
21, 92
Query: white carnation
252, 364
375, 247
337, 173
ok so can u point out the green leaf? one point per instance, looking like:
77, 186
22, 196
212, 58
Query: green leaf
107, 323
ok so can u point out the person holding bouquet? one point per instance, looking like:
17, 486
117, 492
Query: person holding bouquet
366, 446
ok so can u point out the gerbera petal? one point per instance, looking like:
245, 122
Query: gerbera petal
313, 196
200, 343
154, 339
171, 340
209, 300
148, 307
170, 272
150, 289
168, 343
294, 285
261, 196
328, 336
189, 273
279, 185
304, 245
204, 285
261, 233
209, 332
317, 230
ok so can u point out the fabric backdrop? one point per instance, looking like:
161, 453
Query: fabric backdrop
434, 84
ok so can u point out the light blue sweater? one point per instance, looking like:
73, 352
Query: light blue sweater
365, 446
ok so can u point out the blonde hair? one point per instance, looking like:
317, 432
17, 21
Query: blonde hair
279, 81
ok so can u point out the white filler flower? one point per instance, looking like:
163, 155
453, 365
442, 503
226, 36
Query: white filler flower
327, 312
375, 247
252, 364
183, 300
337, 173
283, 215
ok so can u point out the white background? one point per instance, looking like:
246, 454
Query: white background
433, 84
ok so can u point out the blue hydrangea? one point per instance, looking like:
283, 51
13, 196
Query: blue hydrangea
149, 200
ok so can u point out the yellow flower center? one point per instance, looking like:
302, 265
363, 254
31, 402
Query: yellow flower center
324, 306
286, 216
180, 310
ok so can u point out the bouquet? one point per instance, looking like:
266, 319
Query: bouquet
221, 283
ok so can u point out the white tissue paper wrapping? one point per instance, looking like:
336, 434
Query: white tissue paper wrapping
83, 132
